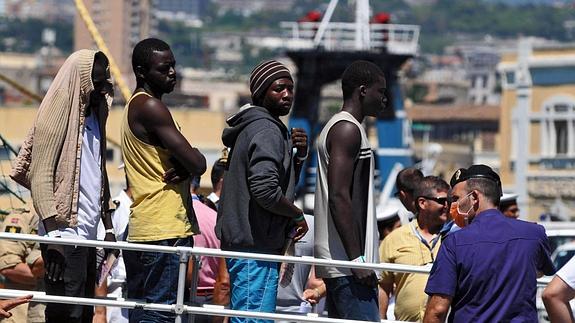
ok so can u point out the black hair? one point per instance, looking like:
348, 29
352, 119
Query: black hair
143, 51
386, 224
217, 172
428, 185
408, 179
359, 73
489, 188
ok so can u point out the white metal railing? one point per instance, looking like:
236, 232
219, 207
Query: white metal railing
341, 36
185, 252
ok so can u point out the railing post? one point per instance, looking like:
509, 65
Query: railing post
194, 286
179, 306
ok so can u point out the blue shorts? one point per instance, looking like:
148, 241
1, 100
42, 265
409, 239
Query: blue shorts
254, 286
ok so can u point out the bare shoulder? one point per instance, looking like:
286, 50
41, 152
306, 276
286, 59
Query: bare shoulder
344, 135
145, 109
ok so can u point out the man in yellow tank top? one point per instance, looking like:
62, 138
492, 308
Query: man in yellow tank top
159, 162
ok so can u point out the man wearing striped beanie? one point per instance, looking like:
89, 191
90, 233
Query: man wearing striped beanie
256, 211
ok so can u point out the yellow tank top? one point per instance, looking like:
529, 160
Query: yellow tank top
158, 211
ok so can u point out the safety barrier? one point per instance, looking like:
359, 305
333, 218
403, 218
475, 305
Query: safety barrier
341, 36
184, 253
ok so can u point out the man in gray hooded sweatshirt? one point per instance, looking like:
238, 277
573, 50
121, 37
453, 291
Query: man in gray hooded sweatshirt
256, 212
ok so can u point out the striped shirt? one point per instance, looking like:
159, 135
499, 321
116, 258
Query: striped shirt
328, 244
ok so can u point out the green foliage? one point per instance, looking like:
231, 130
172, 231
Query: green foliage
477, 18
26, 35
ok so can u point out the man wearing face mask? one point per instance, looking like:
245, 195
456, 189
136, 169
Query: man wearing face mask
476, 271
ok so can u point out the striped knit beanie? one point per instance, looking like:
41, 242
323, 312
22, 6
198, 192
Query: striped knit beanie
264, 75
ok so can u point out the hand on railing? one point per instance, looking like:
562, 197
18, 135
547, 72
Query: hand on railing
7, 305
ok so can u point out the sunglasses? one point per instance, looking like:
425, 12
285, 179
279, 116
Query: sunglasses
438, 200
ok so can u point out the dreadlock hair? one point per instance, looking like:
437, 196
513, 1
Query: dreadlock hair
357, 74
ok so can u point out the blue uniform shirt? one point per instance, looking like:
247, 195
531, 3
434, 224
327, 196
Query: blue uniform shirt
490, 268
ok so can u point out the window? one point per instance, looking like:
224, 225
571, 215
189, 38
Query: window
510, 78
561, 134
558, 130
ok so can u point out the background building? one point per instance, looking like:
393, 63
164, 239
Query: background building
538, 117
122, 23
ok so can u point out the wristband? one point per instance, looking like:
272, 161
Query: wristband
110, 231
301, 158
360, 259
54, 234
299, 218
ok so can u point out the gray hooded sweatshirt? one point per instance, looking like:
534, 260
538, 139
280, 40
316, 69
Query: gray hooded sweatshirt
260, 171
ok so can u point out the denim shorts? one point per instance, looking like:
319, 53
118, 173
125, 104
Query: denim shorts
254, 286
160, 275
349, 299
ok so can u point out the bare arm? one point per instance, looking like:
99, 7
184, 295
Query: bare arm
385, 291
157, 120
343, 144
100, 311
221, 289
315, 289
21, 274
556, 297
437, 308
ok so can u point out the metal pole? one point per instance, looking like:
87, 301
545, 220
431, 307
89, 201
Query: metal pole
179, 308
196, 260
521, 115
324, 22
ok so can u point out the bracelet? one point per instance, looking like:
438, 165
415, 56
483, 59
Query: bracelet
299, 218
318, 294
302, 158
360, 259
54, 234
110, 231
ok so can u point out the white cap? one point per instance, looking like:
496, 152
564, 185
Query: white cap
508, 197
388, 211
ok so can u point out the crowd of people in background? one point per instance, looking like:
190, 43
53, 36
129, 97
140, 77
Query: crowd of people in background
484, 262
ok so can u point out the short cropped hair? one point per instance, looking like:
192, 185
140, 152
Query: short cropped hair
490, 189
217, 172
143, 50
429, 185
359, 73
408, 179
